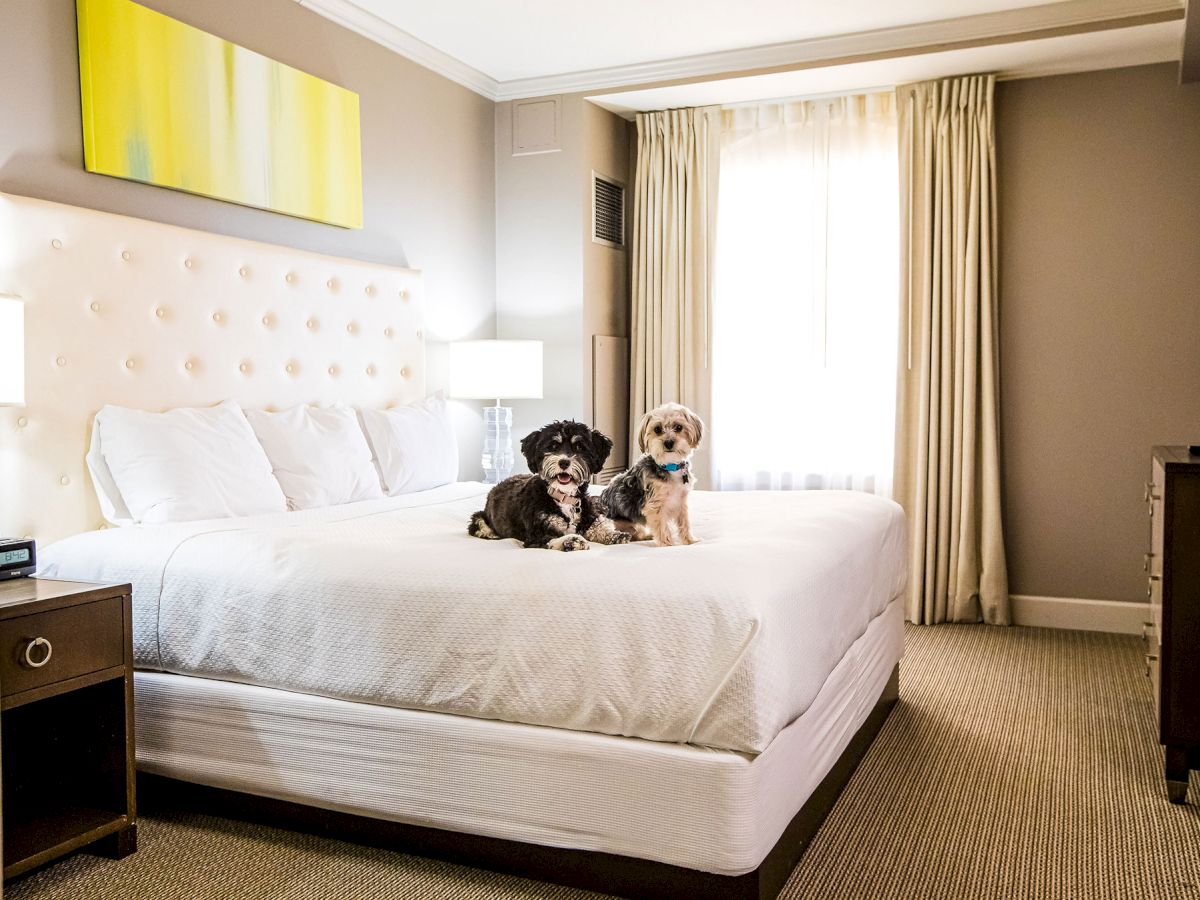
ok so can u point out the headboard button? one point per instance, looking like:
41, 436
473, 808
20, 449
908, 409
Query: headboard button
404, 372
64, 481
22, 422
387, 332
351, 328
369, 290
243, 271
289, 278
60, 361
56, 244
218, 318
244, 367
94, 306
311, 324
188, 263
371, 371
189, 365
420, 334
403, 293
333, 370
160, 313
126, 255
129, 364
268, 321
289, 368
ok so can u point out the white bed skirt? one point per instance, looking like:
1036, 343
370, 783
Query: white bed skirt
716, 811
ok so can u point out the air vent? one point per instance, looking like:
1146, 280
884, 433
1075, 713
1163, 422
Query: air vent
608, 211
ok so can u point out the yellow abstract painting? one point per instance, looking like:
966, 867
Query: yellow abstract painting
171, 105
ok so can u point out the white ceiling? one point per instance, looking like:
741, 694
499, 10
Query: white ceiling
662, 53
1024, 59
536, 38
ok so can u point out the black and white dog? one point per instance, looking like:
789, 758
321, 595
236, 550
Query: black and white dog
551, 508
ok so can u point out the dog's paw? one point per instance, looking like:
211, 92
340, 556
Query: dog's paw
691, 539
569, 542
620, 537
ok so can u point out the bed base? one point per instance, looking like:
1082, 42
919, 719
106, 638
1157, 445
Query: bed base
608, 873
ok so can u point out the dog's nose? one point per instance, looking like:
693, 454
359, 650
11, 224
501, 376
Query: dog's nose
564, 464
669, 444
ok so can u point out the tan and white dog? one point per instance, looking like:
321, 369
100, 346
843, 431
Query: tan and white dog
650, 498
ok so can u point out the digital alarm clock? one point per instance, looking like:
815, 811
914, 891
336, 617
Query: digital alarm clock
18, 557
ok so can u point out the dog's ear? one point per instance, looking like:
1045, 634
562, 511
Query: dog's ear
695, 425
529, 451
643, 426
601, 446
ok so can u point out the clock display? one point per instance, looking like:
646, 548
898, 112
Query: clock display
13, 557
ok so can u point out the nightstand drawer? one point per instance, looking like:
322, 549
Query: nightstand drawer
79, 640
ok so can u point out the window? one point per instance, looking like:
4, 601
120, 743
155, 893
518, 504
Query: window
805, 295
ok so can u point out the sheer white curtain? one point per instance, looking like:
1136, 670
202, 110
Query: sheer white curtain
805, 296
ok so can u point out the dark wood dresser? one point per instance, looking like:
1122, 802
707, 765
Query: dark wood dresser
66, 721
1173, 572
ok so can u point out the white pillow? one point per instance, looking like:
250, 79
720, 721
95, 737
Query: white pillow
187, 464
112, 504
320, 456
414, 445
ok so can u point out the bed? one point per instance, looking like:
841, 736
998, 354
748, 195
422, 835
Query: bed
639, 720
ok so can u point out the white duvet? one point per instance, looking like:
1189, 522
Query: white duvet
721, 643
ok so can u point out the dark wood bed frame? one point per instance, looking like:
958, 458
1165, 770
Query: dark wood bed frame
608, 873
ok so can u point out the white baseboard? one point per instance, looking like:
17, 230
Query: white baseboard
1114, 616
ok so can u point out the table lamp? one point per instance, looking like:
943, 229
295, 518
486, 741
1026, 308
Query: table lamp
12, 351
481, 370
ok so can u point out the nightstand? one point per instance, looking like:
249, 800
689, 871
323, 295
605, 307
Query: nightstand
66, 721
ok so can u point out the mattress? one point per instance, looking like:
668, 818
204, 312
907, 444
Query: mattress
712, 810
390, 602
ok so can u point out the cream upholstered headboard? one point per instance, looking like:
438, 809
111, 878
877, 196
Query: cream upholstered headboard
136, 313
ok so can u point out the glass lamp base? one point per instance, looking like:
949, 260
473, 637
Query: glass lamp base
497, 444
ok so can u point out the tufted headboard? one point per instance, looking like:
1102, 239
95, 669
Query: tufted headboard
136, 313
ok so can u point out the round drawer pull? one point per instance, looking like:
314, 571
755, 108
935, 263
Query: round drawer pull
31, 647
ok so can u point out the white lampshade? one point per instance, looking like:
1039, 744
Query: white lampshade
12, 351
485, 370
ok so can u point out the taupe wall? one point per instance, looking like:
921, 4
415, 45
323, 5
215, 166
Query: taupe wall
539, 262
605, 269
428, 156
1099, 204
553, 283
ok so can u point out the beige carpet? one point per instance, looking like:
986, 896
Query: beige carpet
1019, 763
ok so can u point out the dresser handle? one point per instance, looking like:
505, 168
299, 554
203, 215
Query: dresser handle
1150, 579
1146, 626
1146, 557
1150, 658
29, 648
1150, 496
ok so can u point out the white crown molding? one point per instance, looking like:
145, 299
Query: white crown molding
1067, 17
350, 15
1026, 23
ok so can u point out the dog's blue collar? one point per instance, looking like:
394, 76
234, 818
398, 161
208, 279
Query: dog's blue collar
674, 467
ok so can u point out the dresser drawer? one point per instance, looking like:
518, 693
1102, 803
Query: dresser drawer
80, 640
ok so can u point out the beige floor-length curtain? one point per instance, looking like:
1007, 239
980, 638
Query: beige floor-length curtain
947, 474
674, 210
